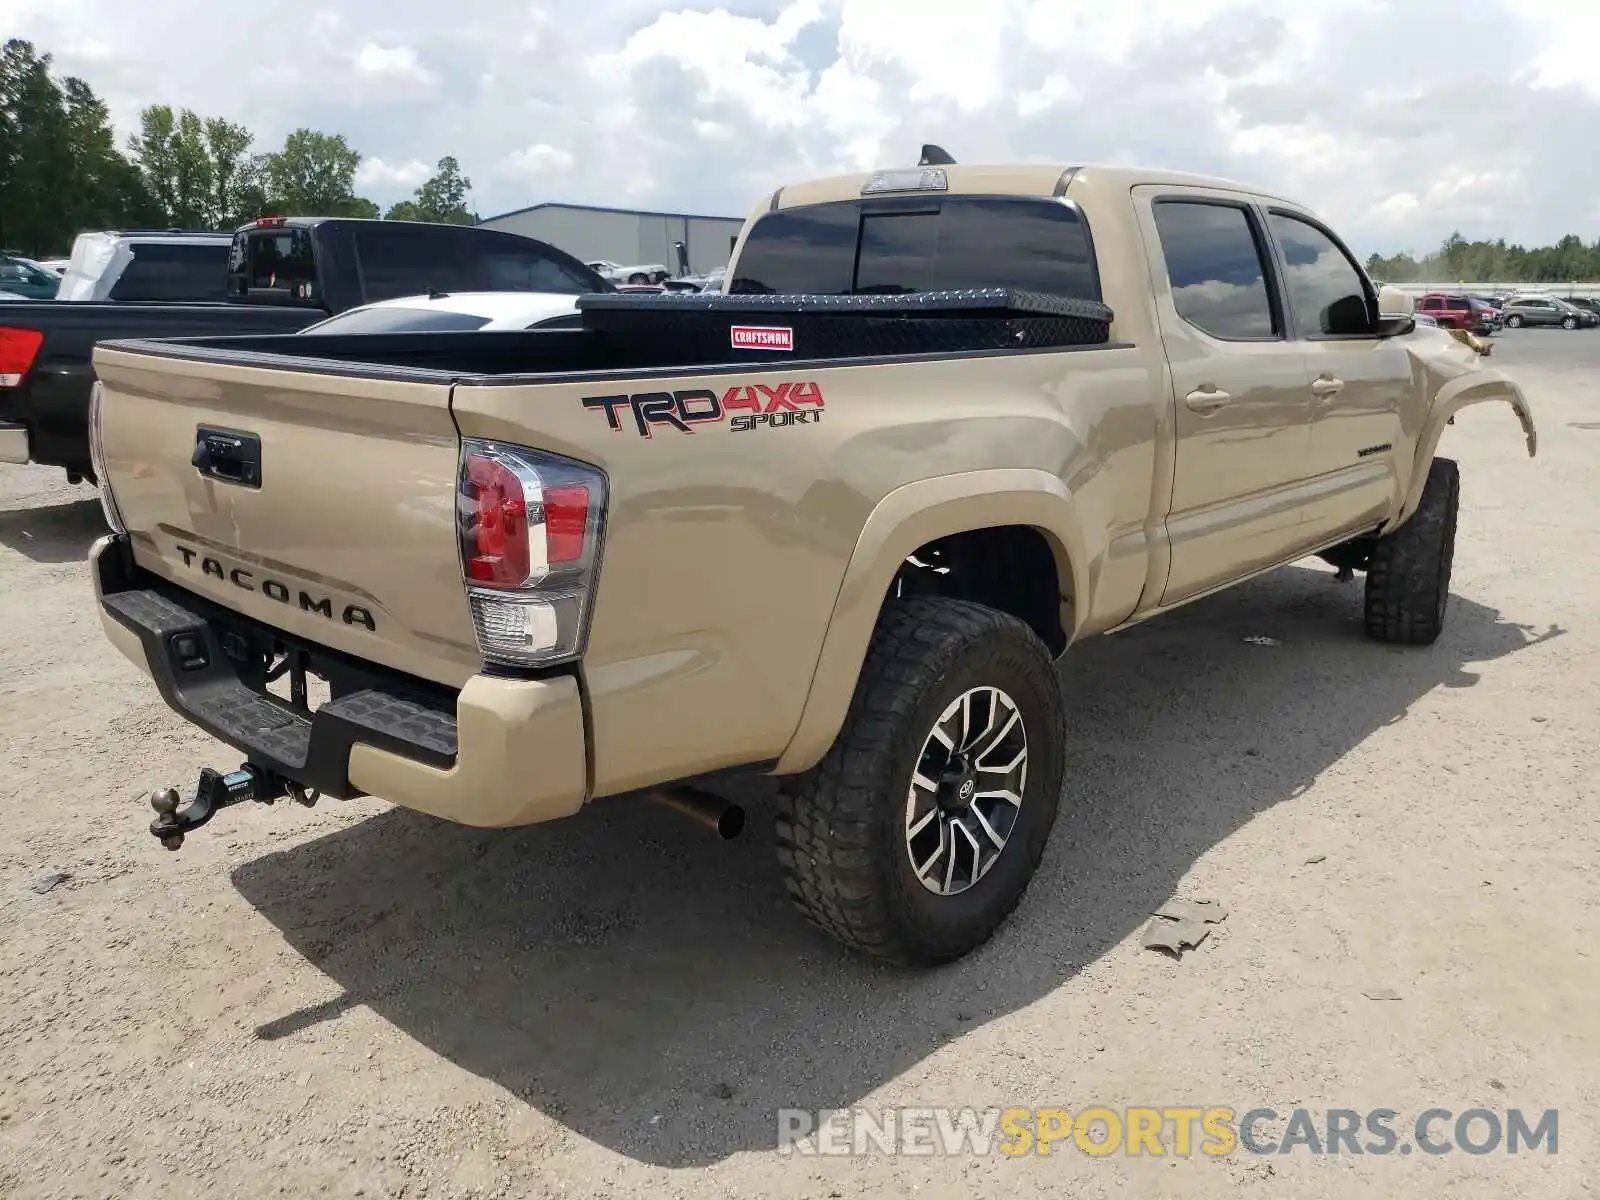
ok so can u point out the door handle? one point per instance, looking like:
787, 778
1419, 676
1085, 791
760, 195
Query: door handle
1326, 385
1206, 399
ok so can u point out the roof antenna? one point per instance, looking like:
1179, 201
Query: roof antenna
935, 156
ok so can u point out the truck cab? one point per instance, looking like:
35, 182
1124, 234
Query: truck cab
336, 263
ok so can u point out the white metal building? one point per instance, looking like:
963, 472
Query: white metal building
625, 236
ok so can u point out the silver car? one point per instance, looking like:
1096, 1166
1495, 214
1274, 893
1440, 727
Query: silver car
1523, 311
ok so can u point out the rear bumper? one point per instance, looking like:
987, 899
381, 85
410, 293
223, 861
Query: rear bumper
501, 752
13, 442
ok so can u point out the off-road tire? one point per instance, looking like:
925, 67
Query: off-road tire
1408, 573
841, 825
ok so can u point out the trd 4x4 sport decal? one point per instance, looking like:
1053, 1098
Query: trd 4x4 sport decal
745, 407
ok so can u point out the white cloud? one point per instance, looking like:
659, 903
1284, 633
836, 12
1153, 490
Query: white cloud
538, 164
1399, 122
376, 173
392, 62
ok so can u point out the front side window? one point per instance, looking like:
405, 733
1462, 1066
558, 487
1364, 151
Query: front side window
1215, 266
1326, 292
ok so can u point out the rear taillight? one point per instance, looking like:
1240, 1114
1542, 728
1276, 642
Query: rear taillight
97, 458
18, 349
530, 525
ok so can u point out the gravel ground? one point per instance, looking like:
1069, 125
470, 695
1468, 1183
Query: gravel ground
360, 1001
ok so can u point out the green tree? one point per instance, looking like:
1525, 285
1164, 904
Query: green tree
109, 190
36, 166
442, 198
237, 190
314, 175
60, 171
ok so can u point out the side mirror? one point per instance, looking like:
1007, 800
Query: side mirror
1396, 312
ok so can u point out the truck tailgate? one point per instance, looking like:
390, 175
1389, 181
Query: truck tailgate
346, 538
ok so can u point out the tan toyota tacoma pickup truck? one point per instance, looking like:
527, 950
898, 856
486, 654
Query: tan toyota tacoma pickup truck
834, 524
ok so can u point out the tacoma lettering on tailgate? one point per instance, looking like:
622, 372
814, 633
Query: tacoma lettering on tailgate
744, 407
275, 589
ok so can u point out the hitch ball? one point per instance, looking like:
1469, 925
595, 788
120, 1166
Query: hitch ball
165, 802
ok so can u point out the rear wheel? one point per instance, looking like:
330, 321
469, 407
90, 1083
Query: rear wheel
1408, 571
918, 833
638, 277
1514, 321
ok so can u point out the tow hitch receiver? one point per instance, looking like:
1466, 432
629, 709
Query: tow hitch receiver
217, 791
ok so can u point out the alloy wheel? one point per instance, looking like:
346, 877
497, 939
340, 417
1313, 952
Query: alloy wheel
966, 791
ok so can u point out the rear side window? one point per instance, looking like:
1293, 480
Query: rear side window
532, 272
954, 244
408, 262
1215, 265
406, 259
1325, 289
194, 271
397, 320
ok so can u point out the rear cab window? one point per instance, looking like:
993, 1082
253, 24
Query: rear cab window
901, 246
1217, 268
273, 264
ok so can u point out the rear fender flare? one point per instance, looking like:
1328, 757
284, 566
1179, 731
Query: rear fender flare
1475, 387
912, 516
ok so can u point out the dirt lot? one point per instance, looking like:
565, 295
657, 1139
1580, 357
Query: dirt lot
359, 1001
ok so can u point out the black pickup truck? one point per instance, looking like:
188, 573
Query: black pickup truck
282, 274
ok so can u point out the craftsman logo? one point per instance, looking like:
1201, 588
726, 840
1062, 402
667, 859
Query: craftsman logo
274, 589
744, 407
762, 337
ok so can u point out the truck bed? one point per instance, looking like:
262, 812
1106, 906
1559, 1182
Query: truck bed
622, 334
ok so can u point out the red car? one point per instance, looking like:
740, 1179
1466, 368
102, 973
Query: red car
1459, 312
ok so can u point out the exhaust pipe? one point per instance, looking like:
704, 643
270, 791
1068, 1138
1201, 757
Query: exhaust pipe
723, 816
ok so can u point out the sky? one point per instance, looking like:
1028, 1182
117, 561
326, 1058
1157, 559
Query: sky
1398, 121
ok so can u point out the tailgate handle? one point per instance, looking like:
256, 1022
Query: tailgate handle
228, 456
